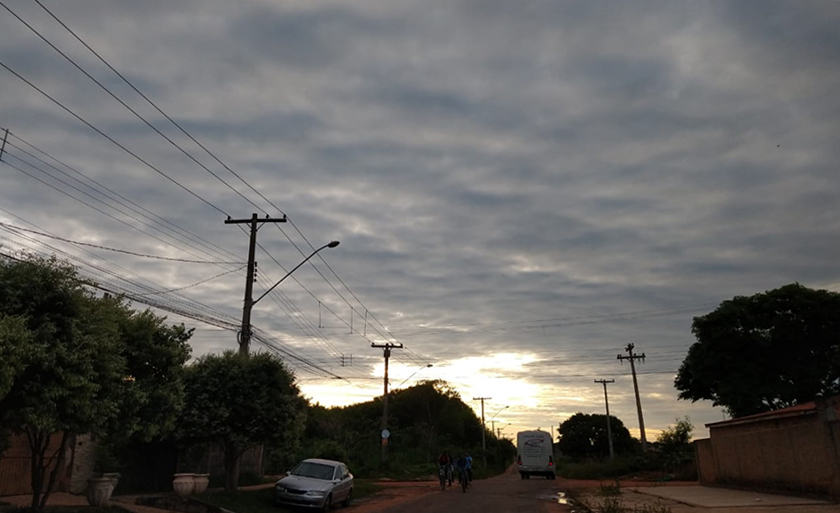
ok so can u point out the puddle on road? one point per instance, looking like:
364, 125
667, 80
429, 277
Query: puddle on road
559, 498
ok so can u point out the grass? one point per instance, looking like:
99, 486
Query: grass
262, 501
597, 470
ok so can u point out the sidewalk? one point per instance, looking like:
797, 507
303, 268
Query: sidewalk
711, 497
68, 499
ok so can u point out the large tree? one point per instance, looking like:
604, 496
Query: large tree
69, 365
72, 362
238, 402
584, 436
765, 351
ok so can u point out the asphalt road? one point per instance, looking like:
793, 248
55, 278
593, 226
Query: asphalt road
503, 494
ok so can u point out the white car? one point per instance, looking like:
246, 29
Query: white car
316, 483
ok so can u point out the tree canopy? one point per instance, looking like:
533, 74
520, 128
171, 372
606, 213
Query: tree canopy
584, 436
240, 401
766, 351
424, 420
66, 356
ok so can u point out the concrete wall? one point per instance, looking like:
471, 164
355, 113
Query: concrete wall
82, 464
799, 454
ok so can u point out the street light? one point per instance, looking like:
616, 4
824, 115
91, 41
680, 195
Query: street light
493, 424
249, 303
499, 430
498, 412
412, 375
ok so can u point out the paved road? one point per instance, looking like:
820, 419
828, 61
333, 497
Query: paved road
503, 494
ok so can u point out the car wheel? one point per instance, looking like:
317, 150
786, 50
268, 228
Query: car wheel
346, 501
327, 503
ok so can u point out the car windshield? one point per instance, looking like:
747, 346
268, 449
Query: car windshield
314, 470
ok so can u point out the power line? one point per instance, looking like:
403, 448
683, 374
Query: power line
117, 250
205, 280
171, 142
115, 97
119, 199
111, 139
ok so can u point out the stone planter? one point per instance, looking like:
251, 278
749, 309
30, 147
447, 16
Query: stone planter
201, 483
114, 477
99, 491
183, 484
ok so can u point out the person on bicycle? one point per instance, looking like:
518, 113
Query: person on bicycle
443, 467
461, 466
450, 468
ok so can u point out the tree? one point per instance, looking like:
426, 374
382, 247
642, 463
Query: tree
763, 352
14, 338
239, 402
152, 394
675, 442
68, 366
584, 436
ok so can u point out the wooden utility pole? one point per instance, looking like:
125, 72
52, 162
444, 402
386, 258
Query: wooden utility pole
607, 401
632, 359
483, 428
3, 146
386, 352
245, 333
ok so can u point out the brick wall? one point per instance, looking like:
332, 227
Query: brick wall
15, 466
800, 454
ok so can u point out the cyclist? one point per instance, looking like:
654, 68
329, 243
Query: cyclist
450, 468
461, 466
443, 468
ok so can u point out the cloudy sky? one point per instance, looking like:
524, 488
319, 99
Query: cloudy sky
520, 189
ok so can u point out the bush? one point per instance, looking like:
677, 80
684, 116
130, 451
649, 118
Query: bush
599, 469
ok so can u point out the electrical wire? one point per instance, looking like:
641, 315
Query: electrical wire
117, 250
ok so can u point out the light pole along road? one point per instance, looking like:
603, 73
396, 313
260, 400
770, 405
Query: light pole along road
245, 335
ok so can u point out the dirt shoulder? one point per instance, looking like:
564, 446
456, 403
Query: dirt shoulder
393, 493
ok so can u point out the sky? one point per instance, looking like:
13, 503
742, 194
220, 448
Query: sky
520, 189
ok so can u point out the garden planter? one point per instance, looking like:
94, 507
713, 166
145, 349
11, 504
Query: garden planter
99, 491
183, 484
201, 483
114, 477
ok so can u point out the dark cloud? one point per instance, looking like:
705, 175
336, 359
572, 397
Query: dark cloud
544, 180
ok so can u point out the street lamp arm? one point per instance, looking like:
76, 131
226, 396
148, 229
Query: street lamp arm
412, 375
329, 245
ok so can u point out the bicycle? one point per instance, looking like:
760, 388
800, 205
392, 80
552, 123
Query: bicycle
450, 478
462, 478
442, 476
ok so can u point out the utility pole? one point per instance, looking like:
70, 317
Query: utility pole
3, 146
245, 333
386, 352
607, 401
483, 428
632, 359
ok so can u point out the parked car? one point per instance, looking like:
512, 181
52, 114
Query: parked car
316, 483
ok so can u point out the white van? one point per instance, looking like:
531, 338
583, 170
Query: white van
535, 454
